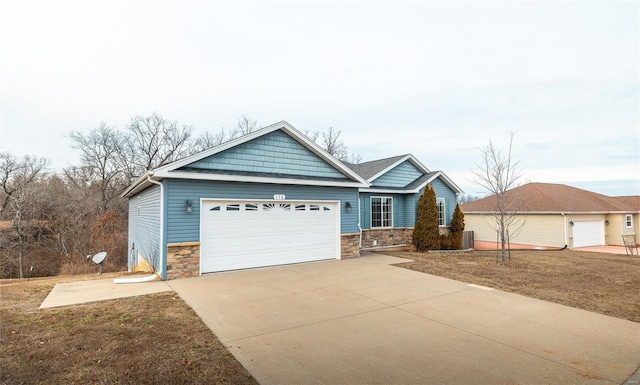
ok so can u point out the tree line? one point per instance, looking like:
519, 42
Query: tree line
50, 221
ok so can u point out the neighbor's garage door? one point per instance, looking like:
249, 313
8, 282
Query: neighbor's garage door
590, 233
245, 234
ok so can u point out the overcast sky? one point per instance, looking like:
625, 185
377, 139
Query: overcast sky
435, 79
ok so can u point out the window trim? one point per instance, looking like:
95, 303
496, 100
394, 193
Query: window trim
381, 197
628, 221
444, 211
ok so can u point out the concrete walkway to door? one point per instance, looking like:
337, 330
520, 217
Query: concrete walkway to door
362, 321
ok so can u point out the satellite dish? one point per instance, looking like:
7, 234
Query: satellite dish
98, 258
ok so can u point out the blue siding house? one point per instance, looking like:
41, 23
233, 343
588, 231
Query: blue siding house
273, 197
388, 206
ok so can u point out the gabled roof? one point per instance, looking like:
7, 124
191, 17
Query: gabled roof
371, 168
376, 168
556, 198
174, 169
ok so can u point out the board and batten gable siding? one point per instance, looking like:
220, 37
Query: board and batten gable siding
399, 176
185, 227
144, 227
274, 153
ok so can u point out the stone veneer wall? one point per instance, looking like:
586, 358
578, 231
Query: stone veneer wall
386, 237
350, 246
183, 260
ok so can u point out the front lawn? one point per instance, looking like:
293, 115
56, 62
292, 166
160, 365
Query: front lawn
603, 283
153, 339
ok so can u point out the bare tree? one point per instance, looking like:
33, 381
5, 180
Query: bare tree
207, 140
331, 142
19, 179
152, 141
498, 173
17, 174
244, 126
467, 198
70, 209
100, 151
355, 158
313, 135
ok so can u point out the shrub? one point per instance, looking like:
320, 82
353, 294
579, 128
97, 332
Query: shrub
445, 242
457, 229
426, 234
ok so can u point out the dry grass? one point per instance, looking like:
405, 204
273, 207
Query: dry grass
154, 339
603, 283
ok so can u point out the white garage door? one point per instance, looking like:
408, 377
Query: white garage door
590, 233
245, 234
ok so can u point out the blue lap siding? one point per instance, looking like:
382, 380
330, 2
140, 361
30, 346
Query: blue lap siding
185, 227
405, 205
403, 216
144, 227
443, 191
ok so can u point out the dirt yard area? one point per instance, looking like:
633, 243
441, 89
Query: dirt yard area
603, 283
154, 339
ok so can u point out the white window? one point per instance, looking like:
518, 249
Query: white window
442, 212
381, 212
628, 219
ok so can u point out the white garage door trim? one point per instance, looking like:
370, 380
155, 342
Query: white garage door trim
259, 233
588, 233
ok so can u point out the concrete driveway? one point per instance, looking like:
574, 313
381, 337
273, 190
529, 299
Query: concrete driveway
362, 321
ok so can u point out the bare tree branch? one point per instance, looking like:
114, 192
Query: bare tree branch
499, 173
244, 126
100, 150
16, 175
207, 140
152, 141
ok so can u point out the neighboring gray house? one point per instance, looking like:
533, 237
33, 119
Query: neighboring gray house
273, 197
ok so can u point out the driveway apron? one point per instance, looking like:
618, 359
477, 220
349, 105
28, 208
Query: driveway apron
362, 321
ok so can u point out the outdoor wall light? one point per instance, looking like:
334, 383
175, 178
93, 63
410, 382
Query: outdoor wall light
189, 206
347, 207
571, 223
606, 222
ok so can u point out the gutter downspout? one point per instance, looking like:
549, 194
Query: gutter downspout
162, 274
359, 228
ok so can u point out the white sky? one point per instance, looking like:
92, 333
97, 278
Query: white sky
435, 79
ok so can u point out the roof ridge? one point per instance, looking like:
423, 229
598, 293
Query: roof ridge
387, 158
543, 192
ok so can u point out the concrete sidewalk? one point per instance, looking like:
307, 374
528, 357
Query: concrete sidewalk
604, 249
74, 293
362, 321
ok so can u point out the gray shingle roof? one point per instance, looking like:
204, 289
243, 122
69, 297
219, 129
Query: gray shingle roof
416, 183
371, 168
